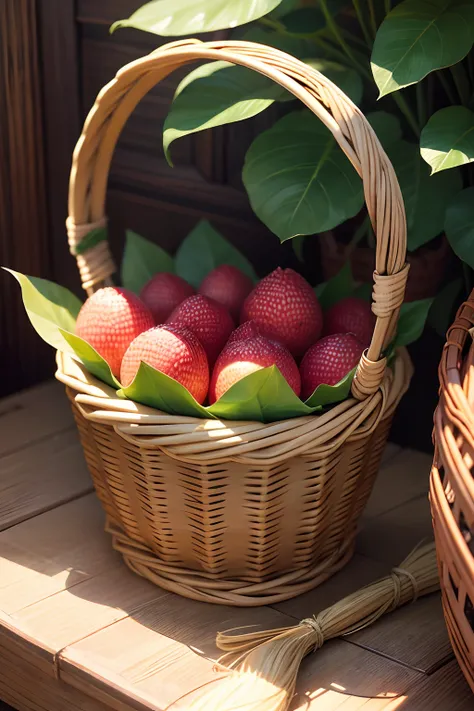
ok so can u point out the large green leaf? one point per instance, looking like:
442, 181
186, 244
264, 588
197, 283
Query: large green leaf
50, 308
153, 388
426, 196
304, 21
215, 94
94, 363
298, 46
419, 36
413, 315
191, 17
386, 126
298, 180
345, 78
264, 396
141, 260
441, 312
331, 394
447, 140
459, 225
203, 250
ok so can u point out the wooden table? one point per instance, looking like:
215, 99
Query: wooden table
79, 631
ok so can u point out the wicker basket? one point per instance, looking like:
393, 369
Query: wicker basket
237, 513
452, 486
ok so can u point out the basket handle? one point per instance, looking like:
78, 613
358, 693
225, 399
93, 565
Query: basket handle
116, 101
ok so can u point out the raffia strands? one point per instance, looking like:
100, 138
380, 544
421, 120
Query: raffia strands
265, 663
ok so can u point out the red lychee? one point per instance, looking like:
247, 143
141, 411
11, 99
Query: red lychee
208, 320
351, 315
109, 321
285, 308
173, 350
163, 293
228, 286
328, 361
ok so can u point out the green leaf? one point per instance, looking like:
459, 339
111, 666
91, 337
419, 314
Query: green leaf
94, 363
330, 394
348, 80
442, 310
386, 126
192, 17
215, 94
298, 180
153, 388
426, 197
142, 259
305, 21
447, 140
419, 36
298, 46
264, 396
413, 315
459, 225
297, 244
50, 308
92, 239
339, 287
203, 250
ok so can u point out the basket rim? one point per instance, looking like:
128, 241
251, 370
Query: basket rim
215, 440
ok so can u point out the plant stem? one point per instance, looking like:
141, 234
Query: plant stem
339, 38
387, 6
363, 26
356, 40
421, 104
407, 112
445, 84
462, 82
373, 21
331, 50
272, 23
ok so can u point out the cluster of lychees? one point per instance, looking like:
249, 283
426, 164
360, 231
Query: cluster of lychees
193, 337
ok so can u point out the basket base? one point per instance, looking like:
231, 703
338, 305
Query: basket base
238, 593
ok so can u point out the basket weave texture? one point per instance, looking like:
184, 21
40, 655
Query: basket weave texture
238, 513
452, 486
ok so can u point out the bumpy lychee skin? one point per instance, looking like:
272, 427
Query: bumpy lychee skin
173, 350
228, 286
245, 356
208, 320
328, 361
163, 293
285, 308
249, 329
351, 315
110, 320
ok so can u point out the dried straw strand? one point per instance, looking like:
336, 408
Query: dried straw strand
265, 663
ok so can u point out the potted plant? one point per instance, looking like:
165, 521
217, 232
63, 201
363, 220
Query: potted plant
409, 65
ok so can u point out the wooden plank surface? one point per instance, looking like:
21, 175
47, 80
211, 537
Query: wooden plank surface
446, 690
40, 477
79, 631
33, 415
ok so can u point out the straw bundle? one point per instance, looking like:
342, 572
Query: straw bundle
265, 664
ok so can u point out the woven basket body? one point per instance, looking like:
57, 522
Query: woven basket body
452, 486
237, 512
